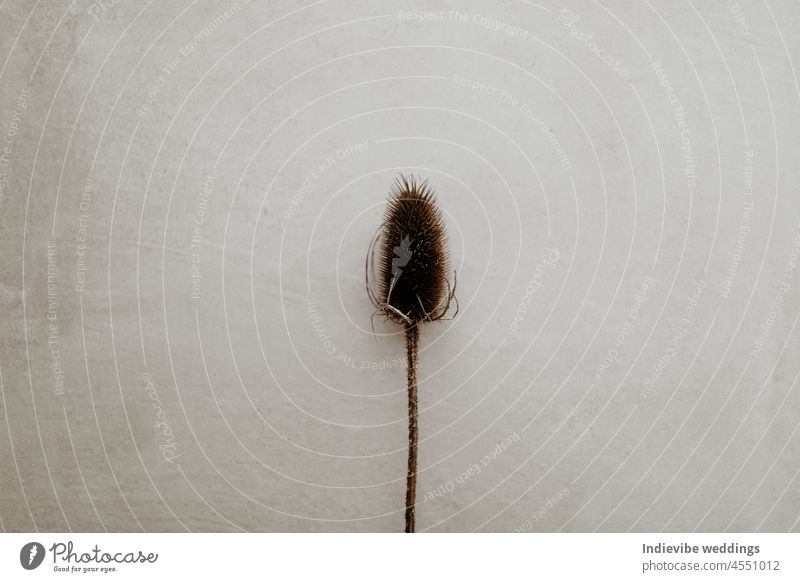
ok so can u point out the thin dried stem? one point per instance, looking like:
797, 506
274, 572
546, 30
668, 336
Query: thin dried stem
412, 353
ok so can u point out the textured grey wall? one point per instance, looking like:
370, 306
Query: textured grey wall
188, 192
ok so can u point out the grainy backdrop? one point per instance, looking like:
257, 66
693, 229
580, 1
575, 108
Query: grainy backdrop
187, 193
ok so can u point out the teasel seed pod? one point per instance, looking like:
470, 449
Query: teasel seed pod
412, 288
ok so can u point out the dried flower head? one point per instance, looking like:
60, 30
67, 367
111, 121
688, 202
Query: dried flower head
412, 283
412, 288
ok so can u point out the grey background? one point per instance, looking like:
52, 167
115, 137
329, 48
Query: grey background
284, 411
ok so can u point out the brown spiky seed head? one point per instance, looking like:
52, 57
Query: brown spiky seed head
413, 261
